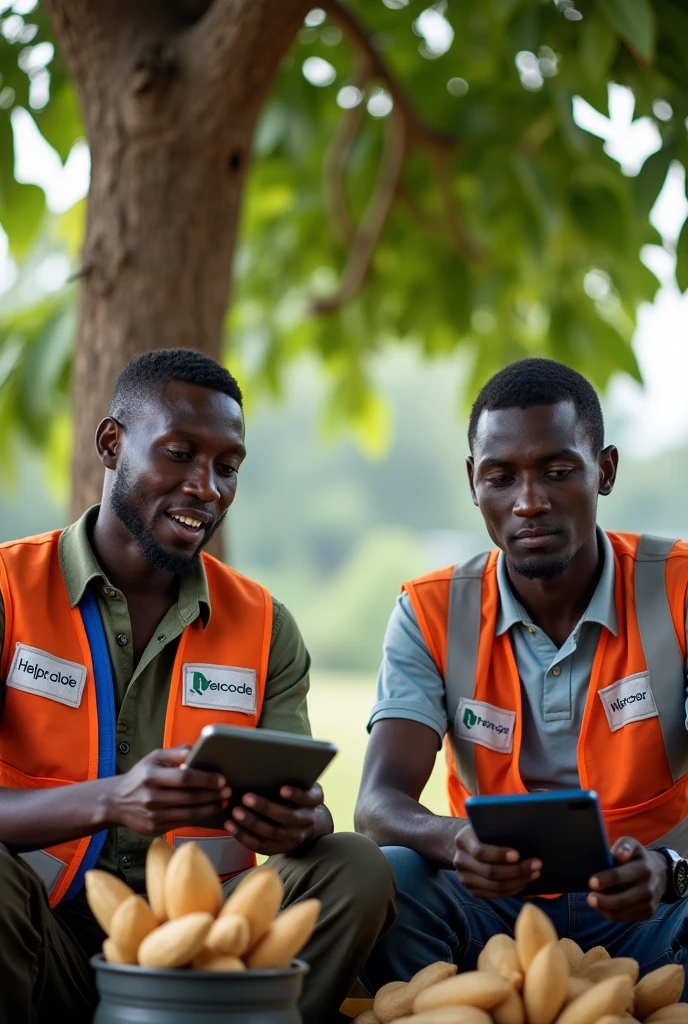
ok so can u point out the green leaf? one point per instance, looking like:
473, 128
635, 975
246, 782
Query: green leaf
648, 184
682, 258
60, 121
21, 215
598, 46
634, 20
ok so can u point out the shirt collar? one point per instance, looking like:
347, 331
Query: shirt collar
80, 568
602, 607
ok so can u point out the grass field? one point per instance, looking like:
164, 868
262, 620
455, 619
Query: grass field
339, 706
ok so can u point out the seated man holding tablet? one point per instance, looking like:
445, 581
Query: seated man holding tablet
121, 640
554, 663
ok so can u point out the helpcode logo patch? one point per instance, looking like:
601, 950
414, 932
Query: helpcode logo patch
220, 687
35, 671
629, 700
485, 725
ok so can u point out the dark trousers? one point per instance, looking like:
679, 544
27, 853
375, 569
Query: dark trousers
440, 920
44, 970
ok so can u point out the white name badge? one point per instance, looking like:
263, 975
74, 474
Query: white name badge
485, 724
220, 688
36, 671
629, 700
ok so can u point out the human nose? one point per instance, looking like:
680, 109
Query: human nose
202, 484
531, 500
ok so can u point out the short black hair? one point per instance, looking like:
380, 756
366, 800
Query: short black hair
540, 382
147, 374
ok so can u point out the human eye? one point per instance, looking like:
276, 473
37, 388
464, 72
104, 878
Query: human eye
499, 480
227, 471
178, 454
559, 473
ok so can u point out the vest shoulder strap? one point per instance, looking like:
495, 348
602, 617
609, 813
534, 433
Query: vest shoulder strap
463, 636
661, 647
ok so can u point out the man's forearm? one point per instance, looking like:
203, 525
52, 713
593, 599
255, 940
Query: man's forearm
392, 818
31, 819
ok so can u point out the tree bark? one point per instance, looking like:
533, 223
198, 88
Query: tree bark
170, 94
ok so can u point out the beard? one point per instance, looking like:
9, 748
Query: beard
540, 570
128, 500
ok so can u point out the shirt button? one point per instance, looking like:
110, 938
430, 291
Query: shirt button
122, 639
125, 862
530, 629
161, 637
556, 671
124, 748
110, 591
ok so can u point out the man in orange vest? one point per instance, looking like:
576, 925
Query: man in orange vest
555, 661
105, 628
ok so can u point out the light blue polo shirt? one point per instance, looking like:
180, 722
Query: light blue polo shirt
554, 681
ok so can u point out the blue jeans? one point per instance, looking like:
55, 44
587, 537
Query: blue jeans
440, 920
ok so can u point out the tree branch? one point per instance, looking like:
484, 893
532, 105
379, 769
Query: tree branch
416, 130
442, 168
366, 238
335, 163
244, 40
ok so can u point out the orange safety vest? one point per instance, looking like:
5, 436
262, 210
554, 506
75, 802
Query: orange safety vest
49, 731
633, 743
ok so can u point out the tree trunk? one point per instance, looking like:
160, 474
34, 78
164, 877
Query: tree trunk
170, 94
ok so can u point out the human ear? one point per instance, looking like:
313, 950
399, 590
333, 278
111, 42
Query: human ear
470, 469
108, 434
609, 462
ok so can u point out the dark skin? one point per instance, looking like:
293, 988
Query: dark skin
182, 454
536, 480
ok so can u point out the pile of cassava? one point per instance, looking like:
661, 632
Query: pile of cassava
185, 923
535, 978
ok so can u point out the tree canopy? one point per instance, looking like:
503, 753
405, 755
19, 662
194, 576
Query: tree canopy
418, 175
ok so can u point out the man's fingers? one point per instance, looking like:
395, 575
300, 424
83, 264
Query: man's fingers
258, 844
171, 755
170, 818
159, 797
467, 840
637, 894
489, 890
523, 871
292, 817
268, 829
312, 797
188, 778
624, 874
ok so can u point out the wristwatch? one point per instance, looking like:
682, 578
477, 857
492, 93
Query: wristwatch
677, 875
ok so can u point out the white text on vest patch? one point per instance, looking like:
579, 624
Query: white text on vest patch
485, 724
44, 675
219, 687
629, 700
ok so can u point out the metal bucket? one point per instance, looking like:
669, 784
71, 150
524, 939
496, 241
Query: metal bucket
142, 995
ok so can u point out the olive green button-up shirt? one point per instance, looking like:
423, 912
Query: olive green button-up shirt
141, 690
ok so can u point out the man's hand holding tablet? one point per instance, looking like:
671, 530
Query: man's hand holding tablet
275, 804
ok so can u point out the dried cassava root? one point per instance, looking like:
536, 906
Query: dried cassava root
185, 924
534, 978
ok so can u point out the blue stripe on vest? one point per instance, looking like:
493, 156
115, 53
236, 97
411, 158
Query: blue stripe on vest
105, 706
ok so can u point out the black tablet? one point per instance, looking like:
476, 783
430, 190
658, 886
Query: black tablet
259, 760
562, 828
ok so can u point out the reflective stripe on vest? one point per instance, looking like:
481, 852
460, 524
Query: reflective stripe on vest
660, 646
658, 636
463, 635
48, 868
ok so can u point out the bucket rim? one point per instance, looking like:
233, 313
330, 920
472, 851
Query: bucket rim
297, 967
